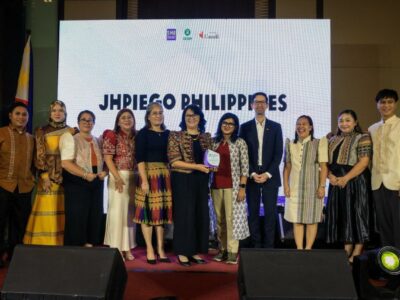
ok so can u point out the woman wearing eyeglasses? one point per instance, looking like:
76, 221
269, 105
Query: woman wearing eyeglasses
189, 176
153, 199
228, 188
83, 176
119, 156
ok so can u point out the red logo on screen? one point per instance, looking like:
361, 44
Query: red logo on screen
201, 34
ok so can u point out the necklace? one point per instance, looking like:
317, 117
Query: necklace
195, 137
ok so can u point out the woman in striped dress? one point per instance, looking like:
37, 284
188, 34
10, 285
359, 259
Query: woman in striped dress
46, 222
304, 178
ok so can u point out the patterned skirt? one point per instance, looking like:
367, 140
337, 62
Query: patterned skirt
46, 222
155, 208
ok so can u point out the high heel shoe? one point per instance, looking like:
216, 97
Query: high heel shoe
199, 261
151, 261
163, 259
184, 263
128, 256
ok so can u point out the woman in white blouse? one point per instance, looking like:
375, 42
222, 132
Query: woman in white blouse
83, 176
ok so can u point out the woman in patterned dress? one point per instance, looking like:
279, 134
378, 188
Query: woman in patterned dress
119, 156
228, 189
304, 179
348, 217
46, 222
153, 198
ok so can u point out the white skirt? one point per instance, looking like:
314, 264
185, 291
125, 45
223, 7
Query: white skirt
120, 229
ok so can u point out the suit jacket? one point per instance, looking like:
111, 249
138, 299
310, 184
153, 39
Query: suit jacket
271, 152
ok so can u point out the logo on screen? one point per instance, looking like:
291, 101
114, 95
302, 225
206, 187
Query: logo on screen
171, 34
208, 35
187, 34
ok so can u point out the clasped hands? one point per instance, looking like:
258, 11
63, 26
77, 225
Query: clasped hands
338, 181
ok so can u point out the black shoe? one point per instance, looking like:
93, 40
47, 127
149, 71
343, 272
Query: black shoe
184, 263
164, 259
151, 261
199, 261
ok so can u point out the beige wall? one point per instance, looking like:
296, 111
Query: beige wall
89, 9
365, 50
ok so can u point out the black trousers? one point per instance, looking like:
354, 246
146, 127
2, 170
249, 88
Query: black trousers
387, 205
262, 237
190, 213
83, 211
15, 208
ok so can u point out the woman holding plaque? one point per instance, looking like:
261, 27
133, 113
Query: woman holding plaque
228, 188
119, 156
153, 199
304, 179
348, 217
189, 176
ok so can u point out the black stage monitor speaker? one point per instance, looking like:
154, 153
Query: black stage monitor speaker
293, 274
49, 272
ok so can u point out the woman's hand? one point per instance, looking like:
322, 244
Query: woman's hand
286, 191
202, 168
241, 194
332, 179
46, 185
145, 187
90, 177
321, 192
119, 184
342, 181
102, 175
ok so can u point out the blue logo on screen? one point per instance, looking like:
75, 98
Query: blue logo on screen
171, 34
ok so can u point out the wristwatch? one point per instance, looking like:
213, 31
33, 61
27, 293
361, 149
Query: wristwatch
242, 185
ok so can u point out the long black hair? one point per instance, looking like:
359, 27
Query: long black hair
197, 111
354, 116
310, 121
235, 134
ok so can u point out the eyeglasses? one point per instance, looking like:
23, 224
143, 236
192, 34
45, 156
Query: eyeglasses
228, 124
191, 116
259, 102
157, 113
88, 121
126, 118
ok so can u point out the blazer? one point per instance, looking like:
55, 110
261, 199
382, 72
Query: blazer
272, 148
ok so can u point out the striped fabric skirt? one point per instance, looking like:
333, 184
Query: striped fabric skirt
155, 208
46, 222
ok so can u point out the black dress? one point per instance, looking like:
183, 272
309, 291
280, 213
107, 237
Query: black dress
190, 209
349, 209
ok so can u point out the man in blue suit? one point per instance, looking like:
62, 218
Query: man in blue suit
265, 144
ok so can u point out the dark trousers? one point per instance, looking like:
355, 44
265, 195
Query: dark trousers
387, 206
262, 237
190, 213
15, 208
83, 211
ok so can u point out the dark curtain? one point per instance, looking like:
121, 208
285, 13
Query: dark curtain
200, 9
12, 41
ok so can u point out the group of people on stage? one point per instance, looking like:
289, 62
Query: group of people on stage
158, 177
